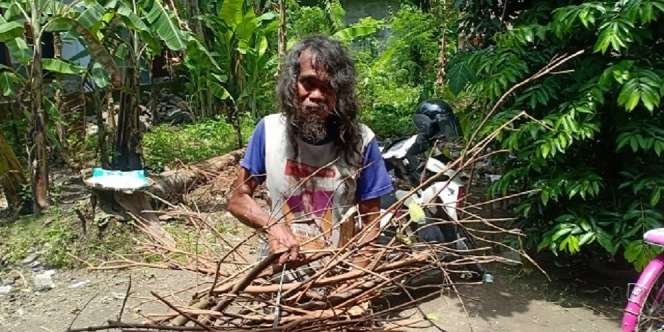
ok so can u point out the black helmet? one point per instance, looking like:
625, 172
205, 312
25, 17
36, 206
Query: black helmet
434, 118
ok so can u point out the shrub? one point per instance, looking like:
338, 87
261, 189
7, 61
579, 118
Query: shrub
166, 144
592, 146
397, 73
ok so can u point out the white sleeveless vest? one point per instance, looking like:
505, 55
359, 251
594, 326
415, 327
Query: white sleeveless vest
312, 189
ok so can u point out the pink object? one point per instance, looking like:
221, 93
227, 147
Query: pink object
643, 287
655, 236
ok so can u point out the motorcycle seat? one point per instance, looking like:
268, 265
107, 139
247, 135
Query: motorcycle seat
655, 236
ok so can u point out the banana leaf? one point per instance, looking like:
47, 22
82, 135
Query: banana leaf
61, 67
159, 20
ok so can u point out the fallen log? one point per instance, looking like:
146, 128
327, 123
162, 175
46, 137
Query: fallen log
168, 187
171, 185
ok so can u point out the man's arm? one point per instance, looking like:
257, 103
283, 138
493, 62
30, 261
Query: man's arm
243, 206
369, 211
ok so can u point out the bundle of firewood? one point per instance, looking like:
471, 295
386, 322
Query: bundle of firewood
327, 291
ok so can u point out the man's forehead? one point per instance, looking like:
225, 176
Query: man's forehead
310, 64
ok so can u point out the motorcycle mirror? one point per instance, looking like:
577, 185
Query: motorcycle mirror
422, 123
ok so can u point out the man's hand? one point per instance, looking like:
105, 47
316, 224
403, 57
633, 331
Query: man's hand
282, 239
243, 206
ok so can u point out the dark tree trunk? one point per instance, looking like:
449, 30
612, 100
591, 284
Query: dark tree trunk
126, 156
59, 105
282, 28
154, 112
440, 10
194, 21
102, 148
442, 61
38, 156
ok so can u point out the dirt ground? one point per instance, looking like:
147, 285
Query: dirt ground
97, 300
517, 302
514, 302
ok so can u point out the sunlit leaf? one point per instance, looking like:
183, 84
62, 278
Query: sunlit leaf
61, 67
160, 19
231, 12
351, 33
10, 31
8, 83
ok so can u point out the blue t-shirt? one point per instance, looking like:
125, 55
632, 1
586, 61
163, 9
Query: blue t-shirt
373, 182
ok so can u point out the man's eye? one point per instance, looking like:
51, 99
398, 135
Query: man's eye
307, 84
310, 84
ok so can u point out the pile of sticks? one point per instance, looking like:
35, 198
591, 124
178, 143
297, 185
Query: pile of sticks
334, 294
326, 290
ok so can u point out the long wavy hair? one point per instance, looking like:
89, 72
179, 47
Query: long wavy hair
331, 56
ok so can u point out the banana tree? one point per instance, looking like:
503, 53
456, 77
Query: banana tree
121, 37
118, 34
237, 64
22, 27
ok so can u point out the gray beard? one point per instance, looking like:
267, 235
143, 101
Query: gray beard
309, 125
311, 129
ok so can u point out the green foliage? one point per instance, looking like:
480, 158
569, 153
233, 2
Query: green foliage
327, 19
57, 237
389, 108
158, 20
61, 67
9, 82
232, 70
103, 27
398, 73
644, 86
93, 23
306, 20
593, 148
639, 253
165, 144
364, 28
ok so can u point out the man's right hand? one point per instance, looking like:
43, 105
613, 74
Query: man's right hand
282, 239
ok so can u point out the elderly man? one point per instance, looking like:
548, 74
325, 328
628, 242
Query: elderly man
316, 158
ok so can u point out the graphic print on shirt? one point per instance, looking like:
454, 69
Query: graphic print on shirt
314, 198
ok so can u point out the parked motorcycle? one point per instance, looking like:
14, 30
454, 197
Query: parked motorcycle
411, 161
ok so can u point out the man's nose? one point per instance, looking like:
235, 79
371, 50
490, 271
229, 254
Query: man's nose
316, 95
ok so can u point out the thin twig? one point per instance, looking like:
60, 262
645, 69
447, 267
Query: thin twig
124, 301
205, 327
80, 311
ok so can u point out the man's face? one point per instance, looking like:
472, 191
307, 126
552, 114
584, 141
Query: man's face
316, 99
316, 96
